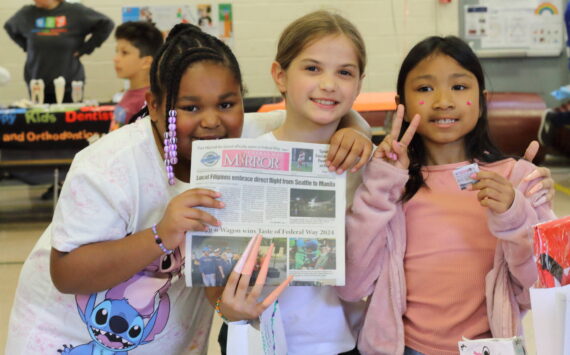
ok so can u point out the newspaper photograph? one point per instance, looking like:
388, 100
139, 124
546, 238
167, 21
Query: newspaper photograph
281, 190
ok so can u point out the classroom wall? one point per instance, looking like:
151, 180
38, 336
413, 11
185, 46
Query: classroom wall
541, 75
531, 74
389, 28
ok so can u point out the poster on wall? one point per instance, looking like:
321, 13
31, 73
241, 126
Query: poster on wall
533, 26
213, 18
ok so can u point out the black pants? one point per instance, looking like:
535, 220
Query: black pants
223, 340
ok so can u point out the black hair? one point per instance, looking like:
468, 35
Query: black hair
186, 45
142, 35
478, 144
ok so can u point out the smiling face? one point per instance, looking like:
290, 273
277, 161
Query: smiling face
209, 106
128, 62
322, 82
446, 96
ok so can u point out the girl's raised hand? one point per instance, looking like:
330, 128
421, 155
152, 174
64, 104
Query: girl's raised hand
393, 151
543, 187
495, 191
181, 215
237, 301
349, 149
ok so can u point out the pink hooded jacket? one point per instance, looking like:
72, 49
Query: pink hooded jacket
376, 244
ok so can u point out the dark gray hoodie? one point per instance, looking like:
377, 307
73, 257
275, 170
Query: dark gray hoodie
51, 37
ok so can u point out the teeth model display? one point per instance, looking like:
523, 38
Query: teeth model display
59, 84
37, 91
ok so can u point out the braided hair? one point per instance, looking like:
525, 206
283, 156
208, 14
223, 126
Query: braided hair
186, 45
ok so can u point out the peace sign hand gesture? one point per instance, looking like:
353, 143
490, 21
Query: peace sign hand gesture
393, 151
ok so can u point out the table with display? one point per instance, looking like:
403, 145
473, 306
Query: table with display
53, 127
48, 136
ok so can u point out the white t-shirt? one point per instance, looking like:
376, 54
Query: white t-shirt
315, 320
114, 187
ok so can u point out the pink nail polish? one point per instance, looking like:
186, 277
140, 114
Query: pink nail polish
250, 262
262, 276
244, 256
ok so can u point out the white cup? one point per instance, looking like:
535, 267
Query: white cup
77, 91
59, 84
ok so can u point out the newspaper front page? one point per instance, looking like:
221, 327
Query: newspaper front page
282, 190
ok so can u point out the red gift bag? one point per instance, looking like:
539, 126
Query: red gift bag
552, 252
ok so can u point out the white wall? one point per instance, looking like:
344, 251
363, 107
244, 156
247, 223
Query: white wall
389, 27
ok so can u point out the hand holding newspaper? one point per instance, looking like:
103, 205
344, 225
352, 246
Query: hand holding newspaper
282, 190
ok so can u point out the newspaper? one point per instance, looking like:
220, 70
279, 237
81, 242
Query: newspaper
282, 190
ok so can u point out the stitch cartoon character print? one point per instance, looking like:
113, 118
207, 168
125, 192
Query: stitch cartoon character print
131, 314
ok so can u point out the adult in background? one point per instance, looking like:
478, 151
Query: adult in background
53, 33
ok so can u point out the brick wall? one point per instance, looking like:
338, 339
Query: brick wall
389, 28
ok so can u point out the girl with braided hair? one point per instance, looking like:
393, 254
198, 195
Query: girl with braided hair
105, 275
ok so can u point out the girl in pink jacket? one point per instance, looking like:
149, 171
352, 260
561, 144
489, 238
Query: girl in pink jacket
441, 257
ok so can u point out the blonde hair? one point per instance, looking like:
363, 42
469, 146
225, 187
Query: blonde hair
314, 26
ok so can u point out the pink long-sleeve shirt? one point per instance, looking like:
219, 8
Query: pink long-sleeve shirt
376, 249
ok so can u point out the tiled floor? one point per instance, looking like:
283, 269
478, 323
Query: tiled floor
23, 217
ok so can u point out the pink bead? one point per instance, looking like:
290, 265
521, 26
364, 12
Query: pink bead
170, 149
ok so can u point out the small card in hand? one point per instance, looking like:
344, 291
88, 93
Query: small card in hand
463, 175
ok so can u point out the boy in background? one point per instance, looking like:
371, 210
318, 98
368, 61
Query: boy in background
137, 44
